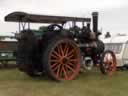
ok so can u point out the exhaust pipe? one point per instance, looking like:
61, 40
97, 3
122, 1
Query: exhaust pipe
95, 21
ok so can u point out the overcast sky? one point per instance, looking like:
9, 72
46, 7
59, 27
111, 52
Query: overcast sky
113, 14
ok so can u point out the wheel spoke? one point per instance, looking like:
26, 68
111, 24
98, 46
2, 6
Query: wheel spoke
60, 50
66, 49
111, 58
71, 52
58, 70
70, 68
65, 74
107, 59
73, 60
57, 54
54, 60
106, 66
71, 64
54, 56
113, 65
71, 56
55, 68
53, 65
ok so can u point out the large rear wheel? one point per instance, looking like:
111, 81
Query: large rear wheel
62, 59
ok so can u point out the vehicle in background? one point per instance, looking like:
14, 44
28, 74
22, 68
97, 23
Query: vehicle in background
119, 45
7, 50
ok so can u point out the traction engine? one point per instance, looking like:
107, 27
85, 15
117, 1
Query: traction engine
58, 51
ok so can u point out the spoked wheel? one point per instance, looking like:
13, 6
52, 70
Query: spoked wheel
62, 59
108, 65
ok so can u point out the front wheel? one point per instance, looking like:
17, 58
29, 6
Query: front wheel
108, 63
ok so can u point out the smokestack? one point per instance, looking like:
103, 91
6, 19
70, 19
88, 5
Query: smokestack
95, 21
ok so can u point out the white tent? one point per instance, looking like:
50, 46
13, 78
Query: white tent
119, 45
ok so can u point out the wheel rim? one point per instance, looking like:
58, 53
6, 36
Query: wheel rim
64, 60
109, 63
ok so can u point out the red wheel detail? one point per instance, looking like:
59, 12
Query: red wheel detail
54, 65
109, 63
64, 60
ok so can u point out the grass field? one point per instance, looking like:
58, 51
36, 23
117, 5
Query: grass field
93, 83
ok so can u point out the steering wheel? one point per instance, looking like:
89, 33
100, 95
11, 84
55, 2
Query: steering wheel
54, 27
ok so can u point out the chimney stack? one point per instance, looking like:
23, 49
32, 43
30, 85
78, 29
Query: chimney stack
95, 21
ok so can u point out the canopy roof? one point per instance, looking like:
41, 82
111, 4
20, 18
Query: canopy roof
25, 17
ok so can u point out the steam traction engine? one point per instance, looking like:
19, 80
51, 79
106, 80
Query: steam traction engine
57, 50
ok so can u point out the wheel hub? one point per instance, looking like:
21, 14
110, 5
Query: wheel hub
64, 60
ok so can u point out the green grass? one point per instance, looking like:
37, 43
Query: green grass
93, 83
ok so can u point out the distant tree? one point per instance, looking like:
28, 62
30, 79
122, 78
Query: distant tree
107, 35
